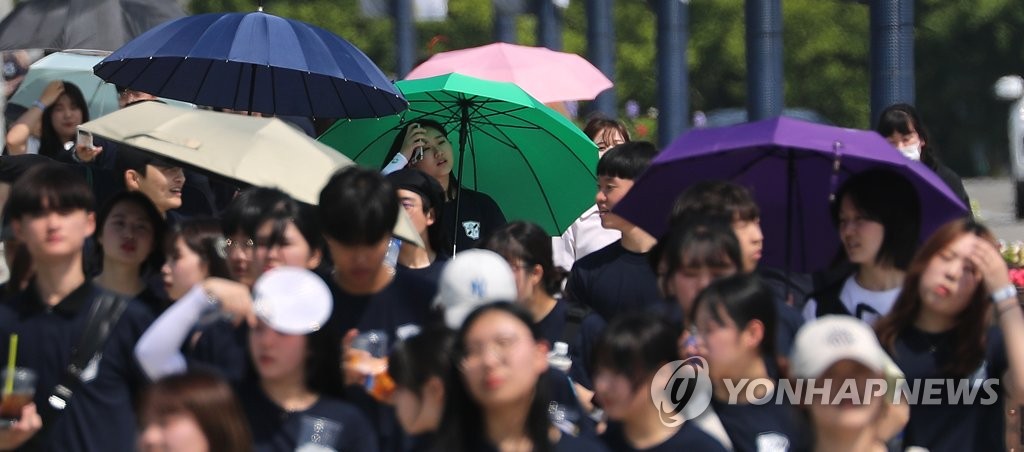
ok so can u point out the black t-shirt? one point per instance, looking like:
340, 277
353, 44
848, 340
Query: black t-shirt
100, 416
220, 347
688, 438
947, 426
769, 427
399, 310
583, 350
553, 324
277, 430
429, 275
613, 280
566, 443
479, 215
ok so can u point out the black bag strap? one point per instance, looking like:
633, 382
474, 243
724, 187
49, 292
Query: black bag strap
104, 314
574, 314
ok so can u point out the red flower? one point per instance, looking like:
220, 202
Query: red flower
1017, 276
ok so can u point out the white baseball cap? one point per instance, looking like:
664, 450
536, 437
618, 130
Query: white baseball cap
833, 338
471, 279
292, 300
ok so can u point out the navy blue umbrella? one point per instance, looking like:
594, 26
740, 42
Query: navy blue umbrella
254, 62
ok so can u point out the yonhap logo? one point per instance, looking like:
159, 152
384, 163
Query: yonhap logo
681, 390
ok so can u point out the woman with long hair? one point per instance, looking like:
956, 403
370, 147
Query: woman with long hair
424, 145
877, 217
56, 115
196, 412
957, 285
129, 234
497, 399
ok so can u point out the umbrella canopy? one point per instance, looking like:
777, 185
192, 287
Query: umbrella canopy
254, 62
244, 149
548, 76
82, 24
793, 168
74, 66
536, 164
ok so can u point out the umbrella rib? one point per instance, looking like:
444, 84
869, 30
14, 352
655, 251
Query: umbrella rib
526, 161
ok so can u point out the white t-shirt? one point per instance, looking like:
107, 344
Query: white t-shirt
583, 237
853, 295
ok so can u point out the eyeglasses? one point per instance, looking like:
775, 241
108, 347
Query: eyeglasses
248, 244
474, 354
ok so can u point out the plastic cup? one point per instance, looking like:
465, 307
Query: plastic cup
22, 393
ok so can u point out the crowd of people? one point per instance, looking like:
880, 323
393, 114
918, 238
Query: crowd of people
166, 312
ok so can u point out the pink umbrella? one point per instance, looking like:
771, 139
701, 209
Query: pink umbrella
546, 75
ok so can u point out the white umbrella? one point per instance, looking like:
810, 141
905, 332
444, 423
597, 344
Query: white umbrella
251, 150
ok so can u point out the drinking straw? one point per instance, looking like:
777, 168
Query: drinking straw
11, 358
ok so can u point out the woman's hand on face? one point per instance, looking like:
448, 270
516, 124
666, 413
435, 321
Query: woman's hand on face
234, 298
415, 136
990, 265
52, 91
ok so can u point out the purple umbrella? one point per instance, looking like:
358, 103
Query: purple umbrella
793, 169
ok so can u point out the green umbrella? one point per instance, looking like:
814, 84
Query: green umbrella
536, 164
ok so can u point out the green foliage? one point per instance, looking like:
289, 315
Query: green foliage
962, 48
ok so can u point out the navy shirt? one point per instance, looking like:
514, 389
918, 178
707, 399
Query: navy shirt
430, 275
769, 427
220, 347
479, 215
947, 426
566, 443
582, 352
613, 280
688, 438
399, 310
100, 416
553, 324
277, 430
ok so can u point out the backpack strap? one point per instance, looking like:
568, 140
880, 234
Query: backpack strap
105, 312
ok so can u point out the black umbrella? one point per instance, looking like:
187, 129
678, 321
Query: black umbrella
82, 24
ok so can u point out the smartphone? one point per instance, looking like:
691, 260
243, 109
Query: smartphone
417, 155
85, 139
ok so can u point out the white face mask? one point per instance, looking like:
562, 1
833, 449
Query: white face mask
912, 151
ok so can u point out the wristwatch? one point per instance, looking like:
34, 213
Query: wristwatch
1002, 294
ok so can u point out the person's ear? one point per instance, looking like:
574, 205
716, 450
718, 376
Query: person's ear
536, 274
314, 259
132, 179
753, 334
90, 223
431, 216
541, 356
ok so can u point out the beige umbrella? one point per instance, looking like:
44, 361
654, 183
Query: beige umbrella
251, 150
